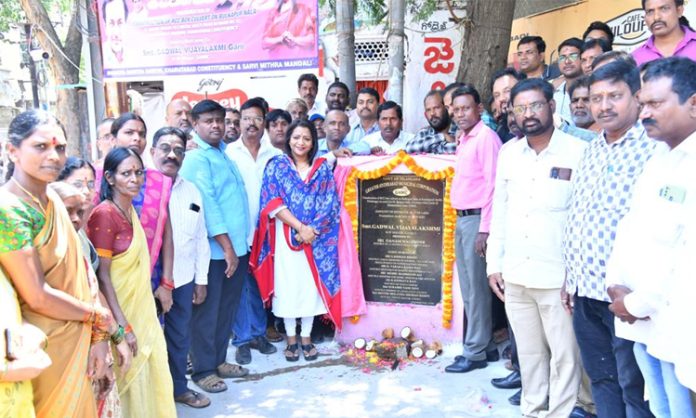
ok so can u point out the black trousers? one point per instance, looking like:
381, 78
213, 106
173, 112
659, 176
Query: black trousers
177, 333
211, 322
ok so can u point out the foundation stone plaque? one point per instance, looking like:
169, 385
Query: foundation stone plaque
400, 239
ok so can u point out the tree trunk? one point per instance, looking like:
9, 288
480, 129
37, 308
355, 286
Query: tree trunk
397, 15
486, 41
345, 34
65, 74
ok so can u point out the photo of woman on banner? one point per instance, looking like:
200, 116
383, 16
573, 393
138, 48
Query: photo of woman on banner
290, 28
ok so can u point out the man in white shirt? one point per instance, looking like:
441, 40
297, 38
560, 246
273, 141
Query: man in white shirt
191, 261
524, 256
390, 138
251, 153
308, 88
650, 239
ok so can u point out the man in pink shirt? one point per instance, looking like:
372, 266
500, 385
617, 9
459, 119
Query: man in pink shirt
471, 195
671, 34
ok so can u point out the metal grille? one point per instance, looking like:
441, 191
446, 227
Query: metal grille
371, 51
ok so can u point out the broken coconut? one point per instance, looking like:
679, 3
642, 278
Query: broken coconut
370, 345
359, 343
417, 351
433, 350
407, 334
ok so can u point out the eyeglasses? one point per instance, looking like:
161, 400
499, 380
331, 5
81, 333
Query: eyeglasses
81, 184
535, 107
166, 148
570, 57
252, 119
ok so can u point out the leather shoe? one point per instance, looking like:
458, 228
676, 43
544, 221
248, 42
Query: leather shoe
464, 365
511, 381
243, 354
273, 335
516, 398
581, 413
261, 343
491, 356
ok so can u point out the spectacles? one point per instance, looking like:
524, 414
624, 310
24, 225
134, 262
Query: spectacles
535, 107
166, 148
253, 119
81, 184
570, 57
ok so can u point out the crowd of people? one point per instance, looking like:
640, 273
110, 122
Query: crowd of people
573, 187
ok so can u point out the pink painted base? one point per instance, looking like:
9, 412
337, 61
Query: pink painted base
425, 321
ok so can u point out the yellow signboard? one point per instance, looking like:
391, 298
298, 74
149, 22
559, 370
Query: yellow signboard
625, 17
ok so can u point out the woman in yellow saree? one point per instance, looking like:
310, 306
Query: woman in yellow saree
41, 255
146, 390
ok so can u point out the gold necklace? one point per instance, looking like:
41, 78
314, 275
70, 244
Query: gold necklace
31, 196
123, 212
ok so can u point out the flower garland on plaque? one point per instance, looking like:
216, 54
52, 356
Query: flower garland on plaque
449, 216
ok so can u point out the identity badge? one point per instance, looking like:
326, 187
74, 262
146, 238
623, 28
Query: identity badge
674, 194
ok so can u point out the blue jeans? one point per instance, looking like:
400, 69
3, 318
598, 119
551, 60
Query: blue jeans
617, 384
668, 397
251, 317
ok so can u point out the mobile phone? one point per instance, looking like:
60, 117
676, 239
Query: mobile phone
9, 352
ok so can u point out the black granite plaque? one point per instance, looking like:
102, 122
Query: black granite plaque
400, 239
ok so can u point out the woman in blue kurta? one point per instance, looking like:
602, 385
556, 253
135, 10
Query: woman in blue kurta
295, 252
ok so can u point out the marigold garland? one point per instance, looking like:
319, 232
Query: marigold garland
350, 202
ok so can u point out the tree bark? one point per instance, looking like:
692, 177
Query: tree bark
486, 41
64, 73
345, 34
397, 15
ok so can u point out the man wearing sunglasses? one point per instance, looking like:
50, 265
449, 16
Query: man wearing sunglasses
569, 64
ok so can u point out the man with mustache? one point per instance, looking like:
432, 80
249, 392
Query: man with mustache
503, 82
591, 49
366, 110
584, 126
671, 33
602, 189
232, 117
179, 115
277, 122
227, 221
192, 251
308, 88
335, 144
524, 256
251, 153
651, 255
440, 136
471, 196
337, 96
390, 138
569, 64
530, 55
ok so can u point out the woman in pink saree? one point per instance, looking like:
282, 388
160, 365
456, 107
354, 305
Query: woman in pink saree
152, 207
290, 28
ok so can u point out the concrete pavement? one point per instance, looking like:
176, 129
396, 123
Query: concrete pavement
333, 386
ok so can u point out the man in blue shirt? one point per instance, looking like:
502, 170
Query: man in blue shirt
227, 221
336, 127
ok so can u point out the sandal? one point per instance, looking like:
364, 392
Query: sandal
193, 399
211, 384
291, 352
230, 371
306, 349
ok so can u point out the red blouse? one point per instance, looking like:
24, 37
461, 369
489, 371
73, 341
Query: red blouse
109, 231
